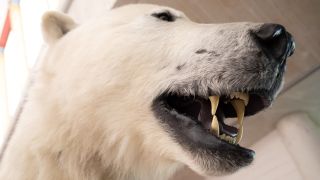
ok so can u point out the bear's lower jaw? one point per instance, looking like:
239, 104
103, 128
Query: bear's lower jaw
189, 121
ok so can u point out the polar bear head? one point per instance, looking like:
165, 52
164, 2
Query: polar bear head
131, 89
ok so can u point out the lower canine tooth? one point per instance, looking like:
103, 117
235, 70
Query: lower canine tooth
215, 125
239, 106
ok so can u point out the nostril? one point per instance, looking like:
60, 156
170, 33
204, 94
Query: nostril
270, 31
274, 41
291, 45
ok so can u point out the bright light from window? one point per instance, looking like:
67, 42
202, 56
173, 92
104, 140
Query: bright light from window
20, 54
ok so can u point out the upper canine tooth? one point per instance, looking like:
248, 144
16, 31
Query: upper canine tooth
214, 103
239, 106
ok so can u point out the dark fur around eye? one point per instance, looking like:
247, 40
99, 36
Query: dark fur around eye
165, 16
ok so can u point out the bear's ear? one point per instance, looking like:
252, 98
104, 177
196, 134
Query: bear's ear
55, 25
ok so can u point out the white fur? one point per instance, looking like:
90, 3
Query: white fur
81, 120
87, 115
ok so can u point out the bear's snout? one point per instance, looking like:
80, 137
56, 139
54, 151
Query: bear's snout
275, 42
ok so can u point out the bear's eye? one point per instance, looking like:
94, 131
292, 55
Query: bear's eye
164, 16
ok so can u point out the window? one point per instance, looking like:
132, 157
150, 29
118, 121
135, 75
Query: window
20, 45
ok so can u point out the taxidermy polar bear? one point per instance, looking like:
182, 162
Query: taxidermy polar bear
135, 95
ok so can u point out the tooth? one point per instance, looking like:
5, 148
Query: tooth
228, 138
239, 106
240, 95
245, 98
214, 104
215, 125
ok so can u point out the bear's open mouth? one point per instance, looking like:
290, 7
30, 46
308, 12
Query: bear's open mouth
209, 114
212, 112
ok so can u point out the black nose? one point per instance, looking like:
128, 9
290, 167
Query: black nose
275, 41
